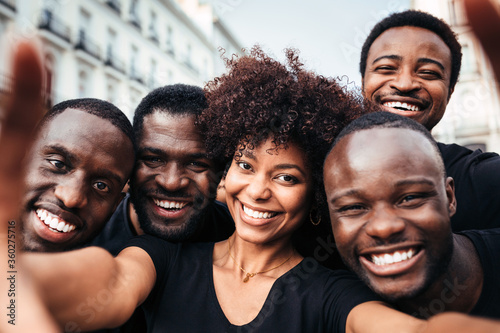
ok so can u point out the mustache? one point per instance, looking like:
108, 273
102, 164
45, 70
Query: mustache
397, 239
165, 193
410, 94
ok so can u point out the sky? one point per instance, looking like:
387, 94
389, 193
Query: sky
328, 33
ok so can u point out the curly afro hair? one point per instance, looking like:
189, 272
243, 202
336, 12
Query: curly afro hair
418, 19
260, 99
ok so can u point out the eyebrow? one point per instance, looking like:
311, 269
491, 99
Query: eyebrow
62, 150
158, 151
420, 60
283, 166
73, 158
401, 183
106, 173
431, 61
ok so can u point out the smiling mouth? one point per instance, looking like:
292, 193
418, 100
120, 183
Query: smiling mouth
383, 259
53, 222
402, 106
258, 214
170, 205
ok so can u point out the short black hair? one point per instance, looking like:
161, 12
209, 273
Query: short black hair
96, 107
415, 18
177, 99
384, 119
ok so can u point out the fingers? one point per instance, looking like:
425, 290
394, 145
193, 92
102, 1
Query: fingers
22, 110
484, 18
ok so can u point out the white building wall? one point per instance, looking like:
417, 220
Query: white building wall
175, 49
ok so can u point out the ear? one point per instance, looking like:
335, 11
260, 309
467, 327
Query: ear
363, 86
450, 194
449, 94
121, 196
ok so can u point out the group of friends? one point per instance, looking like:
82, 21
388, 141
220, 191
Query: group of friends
272, 199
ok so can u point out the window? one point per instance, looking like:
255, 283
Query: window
82, 84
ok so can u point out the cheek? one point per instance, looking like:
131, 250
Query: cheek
143, 174
344, 234
205, 183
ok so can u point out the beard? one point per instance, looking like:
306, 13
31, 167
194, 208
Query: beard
160, 226
438, 260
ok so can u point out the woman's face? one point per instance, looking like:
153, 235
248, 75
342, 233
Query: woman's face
269, 193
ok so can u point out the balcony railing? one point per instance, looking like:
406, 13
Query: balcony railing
115, 5
114, 62
11, 4
136, 76
134, 20
50, 23
87, 45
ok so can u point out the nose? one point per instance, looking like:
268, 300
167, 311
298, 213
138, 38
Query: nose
384, 223
72, 192
172, 177
405, 81
258, 189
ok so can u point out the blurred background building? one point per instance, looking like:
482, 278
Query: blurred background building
119, 50
473, 115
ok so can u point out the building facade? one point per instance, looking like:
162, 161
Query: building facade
473, 114
119, 50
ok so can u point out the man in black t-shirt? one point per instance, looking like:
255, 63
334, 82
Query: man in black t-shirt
410, 63
390, 205
173, 187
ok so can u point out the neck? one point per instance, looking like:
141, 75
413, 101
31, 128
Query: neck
458, 289
260, 257
133, 219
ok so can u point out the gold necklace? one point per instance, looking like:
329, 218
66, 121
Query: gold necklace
251, 275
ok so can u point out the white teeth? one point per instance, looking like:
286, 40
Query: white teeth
54, 222
170, 204
258, 215
406, 106
387, 259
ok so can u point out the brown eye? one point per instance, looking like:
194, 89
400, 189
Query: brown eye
101, 186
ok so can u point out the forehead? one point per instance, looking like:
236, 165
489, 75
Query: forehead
167, 131
267, 151
403, 40
367, 154
77, 125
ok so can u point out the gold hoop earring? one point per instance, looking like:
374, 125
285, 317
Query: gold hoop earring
312, 221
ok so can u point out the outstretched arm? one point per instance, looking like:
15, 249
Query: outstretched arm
22, 110
88, 289
376, 317
484, 18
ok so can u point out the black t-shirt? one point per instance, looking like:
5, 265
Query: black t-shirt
477, 186
308, 298
487, 244
216, 225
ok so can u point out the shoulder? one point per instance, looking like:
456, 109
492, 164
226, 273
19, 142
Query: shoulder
488, 239
455, 154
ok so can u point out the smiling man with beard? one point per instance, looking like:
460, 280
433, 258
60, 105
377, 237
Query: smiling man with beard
390, 205
173, 186
81, 160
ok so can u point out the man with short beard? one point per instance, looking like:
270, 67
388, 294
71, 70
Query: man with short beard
173, 186
390, 204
